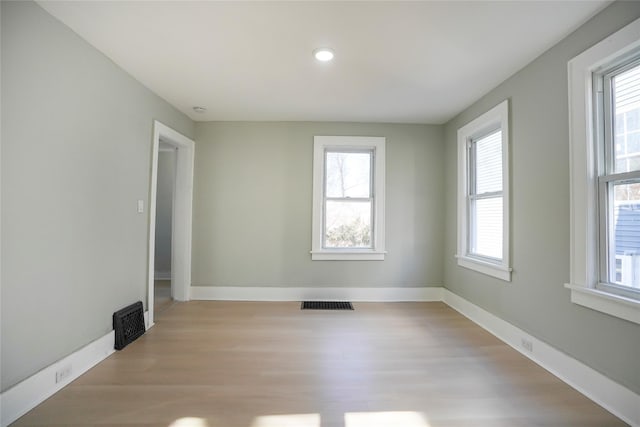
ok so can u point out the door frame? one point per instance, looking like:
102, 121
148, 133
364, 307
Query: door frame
181, 218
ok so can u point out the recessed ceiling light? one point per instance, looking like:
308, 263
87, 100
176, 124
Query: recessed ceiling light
199, 110
323, 54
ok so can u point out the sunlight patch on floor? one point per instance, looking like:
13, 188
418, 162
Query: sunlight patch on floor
190, 422
385, 419
290, 420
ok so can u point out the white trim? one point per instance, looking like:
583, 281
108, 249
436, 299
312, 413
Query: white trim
497, 117
612, 304
182, 214
26, 395
614, 397
318, 253
237, 293
583, 172
489, 269
328, 255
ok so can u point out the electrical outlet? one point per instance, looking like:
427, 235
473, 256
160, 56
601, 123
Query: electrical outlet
527, 345
63, 374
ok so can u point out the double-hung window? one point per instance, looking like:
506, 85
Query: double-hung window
486, 196
604, 112
617, 121
348, 199
483, 197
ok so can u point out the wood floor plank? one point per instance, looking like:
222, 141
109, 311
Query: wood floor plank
249, 364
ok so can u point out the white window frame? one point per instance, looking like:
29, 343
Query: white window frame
377, 146
492, 120
584, 230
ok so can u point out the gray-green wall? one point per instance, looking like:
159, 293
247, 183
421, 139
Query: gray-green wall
76, 145
252, 206
536, 299
76, 150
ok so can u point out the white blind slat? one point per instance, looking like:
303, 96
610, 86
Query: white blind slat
488, 151
488, 230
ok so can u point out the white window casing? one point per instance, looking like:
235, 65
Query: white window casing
346, 144
585, 241
496, 119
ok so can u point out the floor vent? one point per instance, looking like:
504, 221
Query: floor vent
128, 324
326, 305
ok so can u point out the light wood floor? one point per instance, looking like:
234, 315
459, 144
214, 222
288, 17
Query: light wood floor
162, 296
243, 364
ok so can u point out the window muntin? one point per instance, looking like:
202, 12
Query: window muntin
618, 115
348, 199
485, 204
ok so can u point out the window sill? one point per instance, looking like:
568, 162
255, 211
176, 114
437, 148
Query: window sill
611, 304
498, 271
347, 255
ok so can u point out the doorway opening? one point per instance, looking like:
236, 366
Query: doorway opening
165, 189
170, 206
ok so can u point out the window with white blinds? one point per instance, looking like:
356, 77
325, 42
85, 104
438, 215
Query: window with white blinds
483, 205
485, 195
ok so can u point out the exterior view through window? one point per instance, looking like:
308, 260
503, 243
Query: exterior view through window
348, 199
619, 186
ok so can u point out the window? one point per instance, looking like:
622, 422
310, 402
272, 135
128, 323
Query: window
348, 198
604, 109
483, 196
617, 113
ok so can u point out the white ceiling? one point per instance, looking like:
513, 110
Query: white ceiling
406, 62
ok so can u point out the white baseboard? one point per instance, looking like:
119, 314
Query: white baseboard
237, 293
162, 275
617, 399
620, 401
26, 395
146, 320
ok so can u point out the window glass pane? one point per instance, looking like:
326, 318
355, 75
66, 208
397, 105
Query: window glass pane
633, 143
348, 224
619, 120
626, 116
633, 162
486, 237
633, 119
488, 163
624, 244
348, 174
